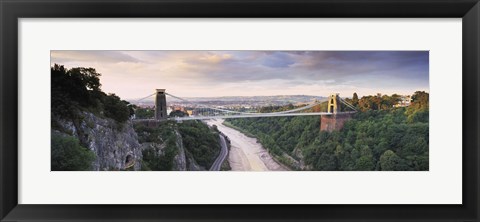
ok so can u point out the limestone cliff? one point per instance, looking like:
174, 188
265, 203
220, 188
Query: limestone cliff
165, 148
179, 161
115, 145
184, 160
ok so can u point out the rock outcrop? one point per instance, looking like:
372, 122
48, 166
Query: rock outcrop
115, 145
180, 161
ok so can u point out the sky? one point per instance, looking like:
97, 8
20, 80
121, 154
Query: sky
135, 74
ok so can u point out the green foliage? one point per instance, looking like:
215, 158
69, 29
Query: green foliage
377, 102
420, 101
69, 92
418, 110
280, 135
178, 113
364, 163
115, 108
379, 138
390, 161
154, 158
200, 141
144, 113
78, 89
355, 99
269, 109
87, 76
69, 155
131, 108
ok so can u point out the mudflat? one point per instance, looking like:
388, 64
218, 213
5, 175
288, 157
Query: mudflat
246, 153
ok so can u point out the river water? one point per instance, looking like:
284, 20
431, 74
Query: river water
246, 153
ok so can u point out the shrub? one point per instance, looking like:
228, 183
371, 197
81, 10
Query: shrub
69, 155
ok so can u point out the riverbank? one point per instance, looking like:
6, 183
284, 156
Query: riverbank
246, 153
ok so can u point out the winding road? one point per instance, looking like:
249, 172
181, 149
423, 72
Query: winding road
222, 156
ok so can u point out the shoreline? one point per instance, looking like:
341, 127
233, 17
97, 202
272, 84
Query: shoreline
246, 152
275, 158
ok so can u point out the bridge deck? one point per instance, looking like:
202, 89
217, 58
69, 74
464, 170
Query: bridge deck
253, 115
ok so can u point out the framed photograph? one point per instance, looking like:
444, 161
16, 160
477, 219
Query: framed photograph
239, 110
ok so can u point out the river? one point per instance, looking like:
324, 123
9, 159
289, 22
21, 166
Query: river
246, 153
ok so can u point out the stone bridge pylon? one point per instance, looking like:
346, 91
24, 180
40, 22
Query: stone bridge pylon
160, 105
337, 120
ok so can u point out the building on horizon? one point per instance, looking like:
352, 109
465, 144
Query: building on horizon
404, 101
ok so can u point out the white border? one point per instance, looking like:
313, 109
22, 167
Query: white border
441, 185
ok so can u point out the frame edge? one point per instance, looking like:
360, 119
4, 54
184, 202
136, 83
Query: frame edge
9, 112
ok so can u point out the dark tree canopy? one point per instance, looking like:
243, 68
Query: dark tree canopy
115, 108
355, 99
144, 113
178, 113
68, 154
77, 89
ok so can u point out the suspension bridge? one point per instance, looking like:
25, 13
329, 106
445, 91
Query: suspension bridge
203, 111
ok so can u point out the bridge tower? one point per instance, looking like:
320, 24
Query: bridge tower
333, 106
160, 105
337, 119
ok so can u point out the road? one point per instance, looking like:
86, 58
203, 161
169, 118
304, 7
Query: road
222, 156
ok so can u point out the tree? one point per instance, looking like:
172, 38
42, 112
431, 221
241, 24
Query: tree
131, 107
355, 99
78, 89
144, 113
88, 76
418, 110
420, 100
153, 160
365, 163
75, 84
68, 154
115, 108
200, 141
178, 113
389, 161
326, 162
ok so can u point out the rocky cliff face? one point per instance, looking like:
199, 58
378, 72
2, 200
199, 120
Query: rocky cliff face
159, 147
115, 145
179, 161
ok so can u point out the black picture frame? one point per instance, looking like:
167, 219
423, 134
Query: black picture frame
11, 11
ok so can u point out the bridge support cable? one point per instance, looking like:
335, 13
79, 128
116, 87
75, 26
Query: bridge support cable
252, 116
298, 109
138, 100
348, 104
244, 113
203, 105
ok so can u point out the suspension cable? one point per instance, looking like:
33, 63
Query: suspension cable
138, 100
230, 111
347, 104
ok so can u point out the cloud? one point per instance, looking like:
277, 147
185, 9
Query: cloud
278, 60
202, 72
215, 58
345, 64
291, 65
98, 56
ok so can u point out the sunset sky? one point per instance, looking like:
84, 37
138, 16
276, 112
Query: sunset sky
135, 74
